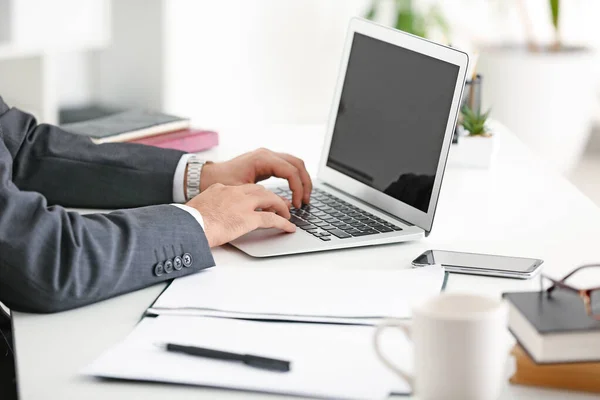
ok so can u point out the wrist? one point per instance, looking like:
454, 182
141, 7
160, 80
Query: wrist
206, 175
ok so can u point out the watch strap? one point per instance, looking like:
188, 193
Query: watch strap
194, 170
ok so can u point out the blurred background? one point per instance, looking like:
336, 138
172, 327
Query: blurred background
230, 64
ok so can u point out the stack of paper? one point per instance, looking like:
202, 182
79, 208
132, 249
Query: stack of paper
334, 296
327, 361
331, 360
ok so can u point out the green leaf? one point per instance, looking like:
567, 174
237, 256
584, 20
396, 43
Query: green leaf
555, 8
474, 122
370, 15
405, 21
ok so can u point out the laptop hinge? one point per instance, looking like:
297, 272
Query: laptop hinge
370, 205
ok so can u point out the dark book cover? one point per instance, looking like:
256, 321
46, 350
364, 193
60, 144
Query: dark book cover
121, 123
561, 312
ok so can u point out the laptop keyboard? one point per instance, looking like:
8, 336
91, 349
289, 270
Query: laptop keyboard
328, 216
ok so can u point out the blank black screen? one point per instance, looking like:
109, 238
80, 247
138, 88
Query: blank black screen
392, 118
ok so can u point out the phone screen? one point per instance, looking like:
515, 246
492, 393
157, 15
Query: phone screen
478, 261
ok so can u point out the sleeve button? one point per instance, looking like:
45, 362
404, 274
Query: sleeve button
168, 266
187, 260
159, 269
177, 263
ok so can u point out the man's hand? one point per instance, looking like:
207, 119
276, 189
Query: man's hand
257, 166
232, 211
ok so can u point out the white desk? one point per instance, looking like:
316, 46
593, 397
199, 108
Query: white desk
516, 208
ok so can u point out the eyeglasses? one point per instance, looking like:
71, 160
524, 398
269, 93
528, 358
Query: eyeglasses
590, 297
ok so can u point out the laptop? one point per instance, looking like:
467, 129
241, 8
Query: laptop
389, 133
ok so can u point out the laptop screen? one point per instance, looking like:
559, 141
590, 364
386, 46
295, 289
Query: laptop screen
391, 119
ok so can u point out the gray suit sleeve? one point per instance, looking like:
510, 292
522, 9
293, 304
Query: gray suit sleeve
53, 260
72, 171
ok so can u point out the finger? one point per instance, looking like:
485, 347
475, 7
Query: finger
270, 220
251, 188
304, 176
286, 201
266, 200
283, 169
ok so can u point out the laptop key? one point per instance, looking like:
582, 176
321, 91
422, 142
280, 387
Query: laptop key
365, 233
384, 229
352, 232
298, 222
325, 238
375, 225
397, 228
339, 233
307, 227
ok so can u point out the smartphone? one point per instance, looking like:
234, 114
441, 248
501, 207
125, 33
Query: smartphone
481, 264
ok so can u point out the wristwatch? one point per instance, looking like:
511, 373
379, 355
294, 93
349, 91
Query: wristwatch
194, 170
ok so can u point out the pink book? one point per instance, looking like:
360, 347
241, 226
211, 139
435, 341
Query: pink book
188, 140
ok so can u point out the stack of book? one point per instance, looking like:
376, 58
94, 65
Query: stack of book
146, 127
559, 343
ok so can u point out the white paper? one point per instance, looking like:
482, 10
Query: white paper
338, 294
327, 361
192, 312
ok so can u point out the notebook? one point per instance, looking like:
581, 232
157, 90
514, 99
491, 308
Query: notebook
353, 296
554, 329
326, 361
188, 140
127, 125
583, 377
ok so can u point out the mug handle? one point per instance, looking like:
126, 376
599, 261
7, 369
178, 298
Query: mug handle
404, 327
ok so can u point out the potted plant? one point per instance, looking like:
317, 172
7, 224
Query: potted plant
406, 16
476, 145
543, 92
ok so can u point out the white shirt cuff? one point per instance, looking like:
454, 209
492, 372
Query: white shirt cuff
178, 178
193, 212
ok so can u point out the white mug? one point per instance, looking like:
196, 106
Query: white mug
460, 347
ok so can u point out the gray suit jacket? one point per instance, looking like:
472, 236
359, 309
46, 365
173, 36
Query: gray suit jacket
53, 260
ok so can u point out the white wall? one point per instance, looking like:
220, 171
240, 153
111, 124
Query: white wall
41, 44
239, 62
129, 72
73, 71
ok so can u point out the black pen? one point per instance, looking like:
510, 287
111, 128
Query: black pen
270, 364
